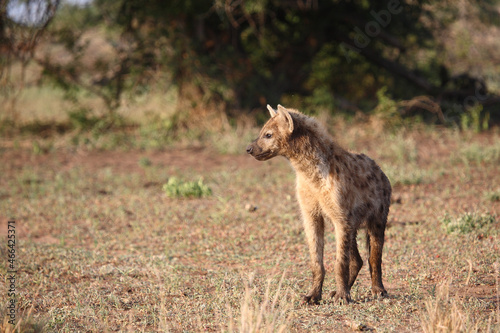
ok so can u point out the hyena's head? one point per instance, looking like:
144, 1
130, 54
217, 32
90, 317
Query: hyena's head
274, 135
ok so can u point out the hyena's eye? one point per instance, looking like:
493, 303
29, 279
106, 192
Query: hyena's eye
268, 135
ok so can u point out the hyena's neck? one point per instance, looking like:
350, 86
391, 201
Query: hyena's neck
313, 154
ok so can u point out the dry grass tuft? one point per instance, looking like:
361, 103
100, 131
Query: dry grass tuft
444, 314
271, 314
26, 324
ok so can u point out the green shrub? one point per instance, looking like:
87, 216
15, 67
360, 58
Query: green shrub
144, 162
468, 222
82, 119
175, 188
475, 119
493, 196
387, 109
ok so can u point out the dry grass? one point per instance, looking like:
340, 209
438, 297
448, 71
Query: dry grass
27, 323
444, 313
271, 314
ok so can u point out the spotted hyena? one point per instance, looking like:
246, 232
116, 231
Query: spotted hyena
333, 184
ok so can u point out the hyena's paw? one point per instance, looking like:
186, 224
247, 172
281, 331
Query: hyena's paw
378, 292
311, 299
341, 298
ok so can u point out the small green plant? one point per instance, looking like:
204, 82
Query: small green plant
176, 188
145, 162
467, 223
41, 147
493, 196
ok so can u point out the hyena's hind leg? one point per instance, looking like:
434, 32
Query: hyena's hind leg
375, 243
355, 262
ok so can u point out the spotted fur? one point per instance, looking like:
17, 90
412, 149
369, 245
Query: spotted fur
348, 189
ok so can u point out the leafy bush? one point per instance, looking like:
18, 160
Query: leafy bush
175, 188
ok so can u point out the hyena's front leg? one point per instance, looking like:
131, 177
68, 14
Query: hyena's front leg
314, 227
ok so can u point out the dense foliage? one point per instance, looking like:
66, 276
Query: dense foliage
247, 53
241, 54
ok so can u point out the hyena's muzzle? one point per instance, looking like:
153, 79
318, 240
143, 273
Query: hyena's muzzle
258, 152
250, 148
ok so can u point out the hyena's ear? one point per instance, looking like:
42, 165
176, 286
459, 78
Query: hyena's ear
283, 112
271, 110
